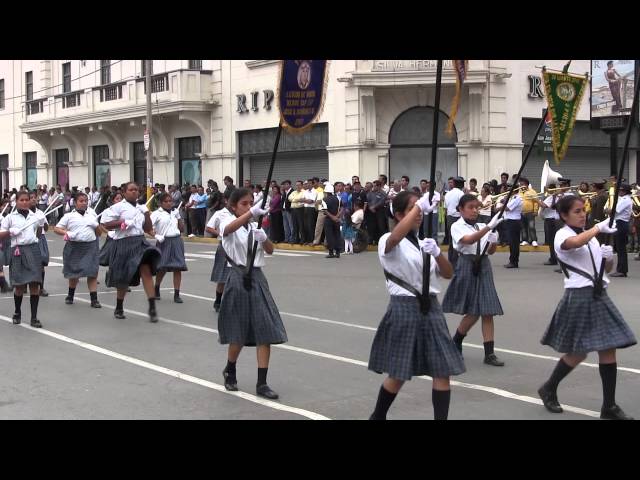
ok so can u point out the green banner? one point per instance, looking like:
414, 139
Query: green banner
564, 93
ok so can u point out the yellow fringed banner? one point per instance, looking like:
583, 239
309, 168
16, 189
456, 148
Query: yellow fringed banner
460, 68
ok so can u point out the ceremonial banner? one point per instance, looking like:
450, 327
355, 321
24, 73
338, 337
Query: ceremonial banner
301, 92
564, 93
460, 67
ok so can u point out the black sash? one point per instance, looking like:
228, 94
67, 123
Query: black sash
475, 268
244, 269
422, 297
595, 279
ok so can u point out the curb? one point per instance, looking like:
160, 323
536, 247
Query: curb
370, 248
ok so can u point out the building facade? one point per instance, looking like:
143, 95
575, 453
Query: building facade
81, 122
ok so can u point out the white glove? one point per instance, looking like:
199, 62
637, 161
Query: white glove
495, 221
176, 213
431, 247
159, 238
259, 236
129, 223
70, 235
604, 227
142, 208
256, 211
606, 251
425, 205
492, 237
14, 231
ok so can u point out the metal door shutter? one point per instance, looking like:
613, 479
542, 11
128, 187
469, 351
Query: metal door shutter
289, 166
578, 165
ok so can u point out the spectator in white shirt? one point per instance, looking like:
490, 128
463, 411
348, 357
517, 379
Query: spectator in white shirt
451, 201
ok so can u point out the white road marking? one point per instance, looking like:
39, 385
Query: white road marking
173, 373
360, 363
211, 257
372, 329
199, 255
54, 264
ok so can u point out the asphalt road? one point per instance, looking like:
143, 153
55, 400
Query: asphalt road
85, 364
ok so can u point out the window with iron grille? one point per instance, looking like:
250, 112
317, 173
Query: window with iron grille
195, 64
66, 77
1, 93
28, 80
105, 72
30, 160
144, 68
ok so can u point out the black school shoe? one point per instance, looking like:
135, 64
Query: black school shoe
16, 319
35, 323
230, 382
153, 316
492, 359
266, 392
216, 306
614, 412
510, 265
177, 299
157, 293
119, 314
68, 300
95, 304
43, 293
550, 400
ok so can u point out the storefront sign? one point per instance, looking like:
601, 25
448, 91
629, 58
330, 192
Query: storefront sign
408, 65
241, 101
535, 87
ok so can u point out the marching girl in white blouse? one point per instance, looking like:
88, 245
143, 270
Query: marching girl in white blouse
585, 320
25, 265
80, 254
167, 226
220, 270
131, 257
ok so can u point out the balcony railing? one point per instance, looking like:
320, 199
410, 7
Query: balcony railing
159, 83
70, 99
35, 106
110, 92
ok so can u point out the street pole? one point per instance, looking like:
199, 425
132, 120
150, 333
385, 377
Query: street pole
147, 65
613, 146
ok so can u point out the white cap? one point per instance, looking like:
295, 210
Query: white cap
328, 188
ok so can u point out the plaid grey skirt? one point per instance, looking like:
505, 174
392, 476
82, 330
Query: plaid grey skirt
221, 269
468, 294
126, 256
172, 255
409, 343
44, 249
80, 260
5, 252
251, 317
105, 252
26, 267
583, 324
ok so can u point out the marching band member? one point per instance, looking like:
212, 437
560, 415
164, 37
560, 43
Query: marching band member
551, 217
5, 248
513, 224
220, 271
131, 257
26, 262
624, 208
167, 226
585, 320
43, 226
411, 341
248, 314
472, 292
80, 253
598, 204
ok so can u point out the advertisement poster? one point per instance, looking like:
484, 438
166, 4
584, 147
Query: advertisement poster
612, 87
103, 175
191, 172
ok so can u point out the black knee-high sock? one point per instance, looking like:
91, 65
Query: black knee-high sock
262, 376
458, 338
488, 348
152, 304
218, 297
608, 374
72, 292
385, 399
93, 296
34, 299
119, 304
176, 292
562, 370
441, 400
17, 300
3, 281
42, 283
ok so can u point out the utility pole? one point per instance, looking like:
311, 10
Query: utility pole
148, 66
